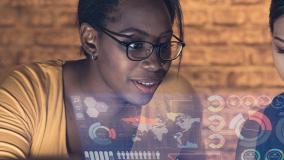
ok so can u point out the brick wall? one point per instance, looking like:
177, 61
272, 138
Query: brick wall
228, 41
228, 46
34, 30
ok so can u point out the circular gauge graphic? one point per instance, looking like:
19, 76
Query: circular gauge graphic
234, 101
216, 103
250, 154
101, 134
252, 135
218, 141
274, 154
218, 123
263, 101
278, 101
248, 101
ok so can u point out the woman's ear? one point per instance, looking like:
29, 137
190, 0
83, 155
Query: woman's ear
88, 36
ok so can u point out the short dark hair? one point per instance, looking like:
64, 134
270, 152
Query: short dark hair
96, 12
276, 11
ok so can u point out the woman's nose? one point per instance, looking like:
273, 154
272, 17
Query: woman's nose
153, 63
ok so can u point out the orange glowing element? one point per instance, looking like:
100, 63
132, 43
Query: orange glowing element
139, 120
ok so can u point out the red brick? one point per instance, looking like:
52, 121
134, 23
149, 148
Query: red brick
205, 76
228, 16
271, 78
247, 1
8, 17
24, 3
250, 36
66, 18
195, 56
28, 3
244, 78
58, 38
28, 54
217, 2
41, 18
15, 38
226, 56
8, 57
195, 17
254, 77
258, 36
192, 3
207, 36
201, 56
258, 16
71, 3
259, 55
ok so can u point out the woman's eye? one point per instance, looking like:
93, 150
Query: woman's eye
136, 45
166, 45
280, 50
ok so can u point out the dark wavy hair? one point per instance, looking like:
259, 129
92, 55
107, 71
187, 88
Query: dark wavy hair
276, 11
98, 12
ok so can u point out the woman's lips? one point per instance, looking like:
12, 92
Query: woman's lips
146, 86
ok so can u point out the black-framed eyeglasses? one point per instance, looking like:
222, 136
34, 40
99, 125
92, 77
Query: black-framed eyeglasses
140, 50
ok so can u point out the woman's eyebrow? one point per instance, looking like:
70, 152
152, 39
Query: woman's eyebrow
131, 29
279, 39
166, 33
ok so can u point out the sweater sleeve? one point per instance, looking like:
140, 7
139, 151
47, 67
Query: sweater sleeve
17, 114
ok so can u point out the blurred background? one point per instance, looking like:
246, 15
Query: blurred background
228, 50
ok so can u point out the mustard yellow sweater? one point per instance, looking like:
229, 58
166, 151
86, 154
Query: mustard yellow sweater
32, 112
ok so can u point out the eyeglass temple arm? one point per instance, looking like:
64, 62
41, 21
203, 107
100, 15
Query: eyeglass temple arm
181, 41
107, 32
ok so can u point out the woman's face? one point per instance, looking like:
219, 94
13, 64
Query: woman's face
278, 45
134, 81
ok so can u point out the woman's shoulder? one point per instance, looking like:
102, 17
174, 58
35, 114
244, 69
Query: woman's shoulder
276, 107
30, 86
33, 81
35, 71
30, 99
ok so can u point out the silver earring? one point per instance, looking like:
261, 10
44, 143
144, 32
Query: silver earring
93, 57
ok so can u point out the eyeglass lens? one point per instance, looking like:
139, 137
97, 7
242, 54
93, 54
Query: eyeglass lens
142, 50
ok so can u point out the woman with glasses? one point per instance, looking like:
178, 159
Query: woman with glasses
265, 142
97, 108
